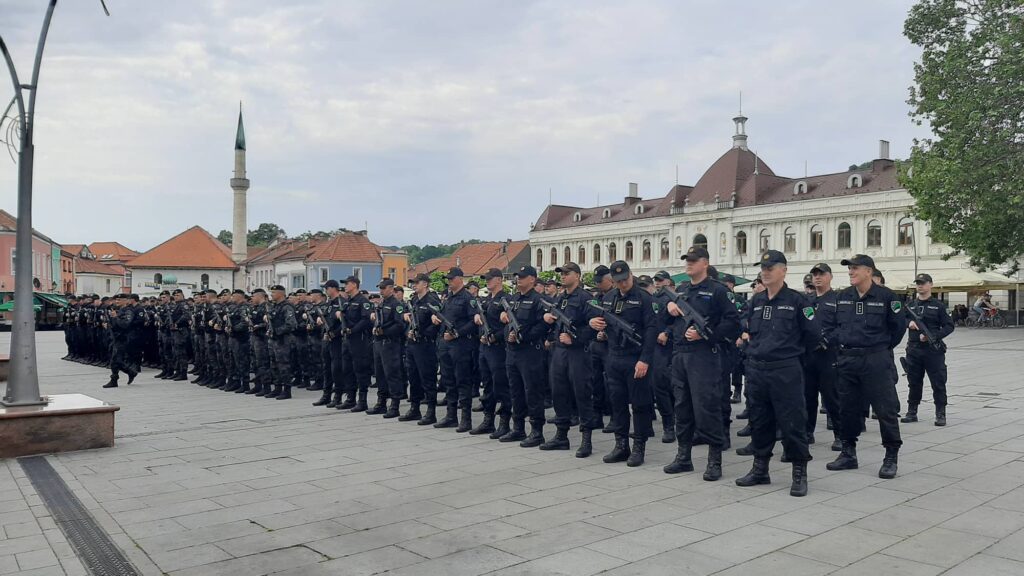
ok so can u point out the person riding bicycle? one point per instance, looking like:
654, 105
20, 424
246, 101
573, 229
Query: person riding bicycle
982, 306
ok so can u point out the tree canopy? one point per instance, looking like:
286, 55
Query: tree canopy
263, 235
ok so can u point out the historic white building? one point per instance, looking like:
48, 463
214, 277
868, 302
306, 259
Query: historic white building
740, 207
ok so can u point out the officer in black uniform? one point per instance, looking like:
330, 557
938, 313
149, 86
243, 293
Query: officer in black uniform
496, 398
924, 357
454, 351
179, 317
317, 348
599, 352
780, 328
237, 329
260, 347
122, 318
357, 354
630, 354
696, 365
421, 352
869, 323
281, 325
820, 360
334, 342
570, 363
388, 332
300, 355
664, 293
524, 359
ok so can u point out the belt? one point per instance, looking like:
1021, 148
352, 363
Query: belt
771, 365
844, 351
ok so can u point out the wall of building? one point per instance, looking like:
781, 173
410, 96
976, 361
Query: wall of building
97, 284
370, 273
67, 275
42, 263
396, 267
291, 274
144, 281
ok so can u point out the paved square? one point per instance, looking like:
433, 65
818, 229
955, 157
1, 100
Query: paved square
206, 482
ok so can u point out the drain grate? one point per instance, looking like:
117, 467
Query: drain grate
94, 547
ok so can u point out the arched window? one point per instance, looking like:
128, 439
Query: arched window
645, 251
204, 281
722, 243
701, 241
639, 209
664, 248
568, 255
607, 213
583, 256
874, 234
789, 240
158, 278
540, 258
800, 188
612, 253
844, 236
854, 181
554, 257
817, 238
679, 244
905, 232
741, 242
597, 254
577, 217
764, 240
629, 250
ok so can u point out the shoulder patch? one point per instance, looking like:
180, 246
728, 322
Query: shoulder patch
730, 296
896, 306
809, 312
399, 309
655, 306
366, 305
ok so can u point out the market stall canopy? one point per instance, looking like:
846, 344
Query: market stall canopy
9, 305
684, 277
957, 280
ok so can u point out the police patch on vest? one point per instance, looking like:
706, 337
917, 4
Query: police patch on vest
766, 314
655, 306
896, 306
366, 306
398, 309
860, 307
730, 296
809, 313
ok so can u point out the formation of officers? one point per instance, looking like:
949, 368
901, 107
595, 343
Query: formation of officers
632, 349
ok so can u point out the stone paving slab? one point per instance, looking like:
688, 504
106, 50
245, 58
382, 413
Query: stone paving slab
203, 482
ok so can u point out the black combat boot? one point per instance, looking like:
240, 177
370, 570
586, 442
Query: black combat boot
317, 386
256, 388
262, 389
758, 474
714, 469
837, 444
325, 400
132, 374
559, 442
232, 385
620, 453
161, 373
799, 487
349, 403
412, 414
430, 417
112, 383
180, 377
737, 396
485, 427
199, 379
286, 393
668, 430
586, 444
333, 399
517, 433
243, 386
847, 459
379, 407
466, 422
911, 414
636, 458
744, 432
829, 425
393, 409
747, 450
536, 437
682, 462
502, 428
745, 414
940, 414
888, 469
274, 392
360, 405
450, 420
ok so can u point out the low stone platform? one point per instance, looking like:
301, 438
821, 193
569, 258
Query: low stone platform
67, 422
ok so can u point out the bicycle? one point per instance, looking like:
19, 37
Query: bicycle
993, 318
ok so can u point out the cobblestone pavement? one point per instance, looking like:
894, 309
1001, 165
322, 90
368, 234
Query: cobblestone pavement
205, 482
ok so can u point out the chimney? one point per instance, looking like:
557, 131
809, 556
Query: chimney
883, 149
458, 261
634, 194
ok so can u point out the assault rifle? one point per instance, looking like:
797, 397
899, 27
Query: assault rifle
449, 326
697, 320
624, 328
935, 343
414, 325
488, 335
512, 320
563, 322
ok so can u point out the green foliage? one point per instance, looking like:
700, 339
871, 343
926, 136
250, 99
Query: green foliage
419, 254
225, 237
968, 180
438, 283
264, 234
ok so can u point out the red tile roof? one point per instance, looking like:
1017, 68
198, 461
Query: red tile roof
112, 251
87, 266
347, 247
194, 248
9, 223
475, 259
75, 249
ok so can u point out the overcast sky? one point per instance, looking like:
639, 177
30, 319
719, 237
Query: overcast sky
435, 121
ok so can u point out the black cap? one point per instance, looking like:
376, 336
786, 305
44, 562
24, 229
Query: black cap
277, 288
332, 284
225, 292
472, 284
300, 291
385, 283
133, 296
876, 273
859, 260
352, 279
493, 273
772, 257
644, 281
728, 278
821, 268
601, 271
569, 267
177, 291
662, 275
620, 271
259, 291
923, 278
526, 271
163, 293
808, 280
211, 292
713, 272
238, 291
454, 273
317, 291
421, 277
399, 288
696, 253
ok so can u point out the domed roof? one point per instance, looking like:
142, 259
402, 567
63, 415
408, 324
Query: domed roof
727, 175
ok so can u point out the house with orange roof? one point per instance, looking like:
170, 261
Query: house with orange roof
476, 259
193, 260
45, 258
95, 277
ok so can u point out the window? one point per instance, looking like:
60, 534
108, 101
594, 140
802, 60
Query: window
108, 285
764, 240
629, 250
204, 281
582, 256
854, 181
874, 234
639, 209
393, 273
325, 274
607, 213
597, 254
568, 256
741, 242
14, 261
612, 253
701, 241
158, 278
905, 232
299, 280
577, 217
540, 258
800, 188
664, 248
358, 273
789, 240
554, 257
645, 251
844, 237
817, 238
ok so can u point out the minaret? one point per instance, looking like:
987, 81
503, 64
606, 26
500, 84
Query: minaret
240, 184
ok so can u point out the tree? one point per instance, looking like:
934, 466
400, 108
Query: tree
225, 237
264, 234
967, 181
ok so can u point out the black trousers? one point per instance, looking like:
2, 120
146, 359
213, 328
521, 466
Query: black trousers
526, 379
261, 351
820, 378
625, 392
357, 364
868, 378
923, 359
697, 385
663, 397
456, 359
727, 354
336, 346
598, 386
387, 357
119, 361
281, 353
421, 364
570, 380
496, 398
326, 369
777, 403
240, 358
180, 351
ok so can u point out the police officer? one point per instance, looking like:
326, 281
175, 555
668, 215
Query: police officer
454, 351
780, 328
869, 323
626, 314
662, 369
260, 348
357, 352
334, 343
122, 318
820, 360
300, 342
224, 340
281, 325
179, 317
524, 333
421, 358
696, 364
317, 349
388, 332
238, 332
599, 352
496, 397
924, 357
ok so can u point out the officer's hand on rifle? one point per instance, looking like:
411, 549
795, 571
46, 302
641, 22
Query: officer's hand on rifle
407, 317
598, 324
663, 338
674, 309
565, 338
448, 336
640, 370
435, 320
550, 318
512, 339
477, 320
504, 318
692, 335
913, 326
